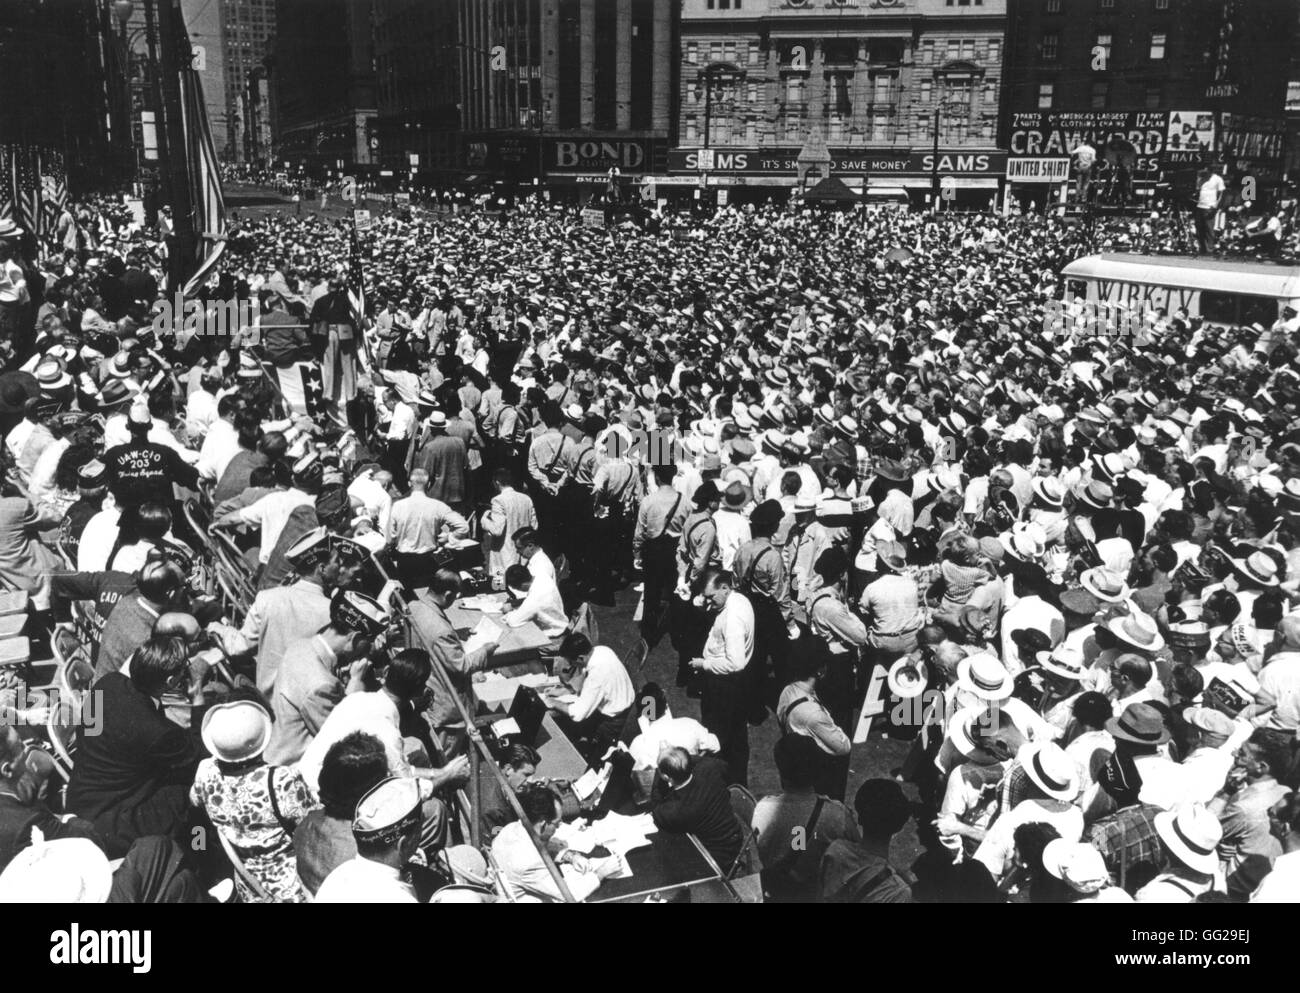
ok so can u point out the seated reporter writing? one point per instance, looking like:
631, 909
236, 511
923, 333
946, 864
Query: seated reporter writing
597, 717
522, 866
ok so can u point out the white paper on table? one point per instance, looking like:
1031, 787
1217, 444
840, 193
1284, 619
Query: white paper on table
484, 633
565, 697
506, 726
536, 680
591, 781
575, 837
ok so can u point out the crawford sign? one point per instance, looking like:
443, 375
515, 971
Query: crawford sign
1037, 136
597, 154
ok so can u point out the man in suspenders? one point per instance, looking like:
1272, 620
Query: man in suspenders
659, 523
697, 552
549, 459
576, 507
761, 577
616, 492
832, 623
800, 711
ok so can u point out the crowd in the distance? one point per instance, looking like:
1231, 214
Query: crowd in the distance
823, 446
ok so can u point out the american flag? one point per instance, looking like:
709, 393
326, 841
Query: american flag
6, 183
206, 200
54, 190
27, 189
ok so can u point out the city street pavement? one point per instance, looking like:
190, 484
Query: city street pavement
874, 758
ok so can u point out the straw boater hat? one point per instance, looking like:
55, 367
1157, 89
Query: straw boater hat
1138, 630
1050, 769
1105, 585
1192, 835
1049, 490
1064, 661
1258, 568
985, 676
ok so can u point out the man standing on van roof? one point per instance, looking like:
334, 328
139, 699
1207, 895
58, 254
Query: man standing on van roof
1209, 194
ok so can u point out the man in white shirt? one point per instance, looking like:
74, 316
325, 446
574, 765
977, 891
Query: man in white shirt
522, 868
379, 714
271, 512
372, 487
539, 601
596, 719
1209, 194
724, 666
387, 831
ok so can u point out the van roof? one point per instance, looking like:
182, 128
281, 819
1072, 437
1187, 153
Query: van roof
1185, 273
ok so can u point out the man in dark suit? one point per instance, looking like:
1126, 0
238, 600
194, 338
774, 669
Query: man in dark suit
695, 800
134, 767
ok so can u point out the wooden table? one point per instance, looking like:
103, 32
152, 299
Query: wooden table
517, 644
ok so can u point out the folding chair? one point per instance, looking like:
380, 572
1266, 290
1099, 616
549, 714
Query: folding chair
745, 872
584, 622
634, 661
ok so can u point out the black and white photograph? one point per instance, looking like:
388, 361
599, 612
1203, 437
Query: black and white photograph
652, 452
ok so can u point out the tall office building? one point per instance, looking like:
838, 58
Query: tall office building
324, 82
231, 39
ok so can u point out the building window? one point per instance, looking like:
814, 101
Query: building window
1162, 4
954, 49
1100, 94
1045, 92
995, 50
1104, 43
692, 129
1051, 46
693, 53
1155, 96
926, 90
1053, 6
927, 50
729, 52
1157, 46
715, 51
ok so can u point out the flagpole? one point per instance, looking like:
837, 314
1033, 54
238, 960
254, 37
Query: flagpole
171, 33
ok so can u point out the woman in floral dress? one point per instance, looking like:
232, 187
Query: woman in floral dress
255, 806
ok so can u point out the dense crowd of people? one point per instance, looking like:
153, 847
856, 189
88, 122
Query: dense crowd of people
858, 484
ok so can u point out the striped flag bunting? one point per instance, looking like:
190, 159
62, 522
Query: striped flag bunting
207, 203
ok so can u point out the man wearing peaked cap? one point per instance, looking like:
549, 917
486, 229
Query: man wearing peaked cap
386, 827
315, 673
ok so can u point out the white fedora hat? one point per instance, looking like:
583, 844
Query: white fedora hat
1192, 835
1050, 769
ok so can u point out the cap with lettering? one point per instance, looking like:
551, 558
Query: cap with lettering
389, 810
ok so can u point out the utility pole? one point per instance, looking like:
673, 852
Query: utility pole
174, 49
934, 164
